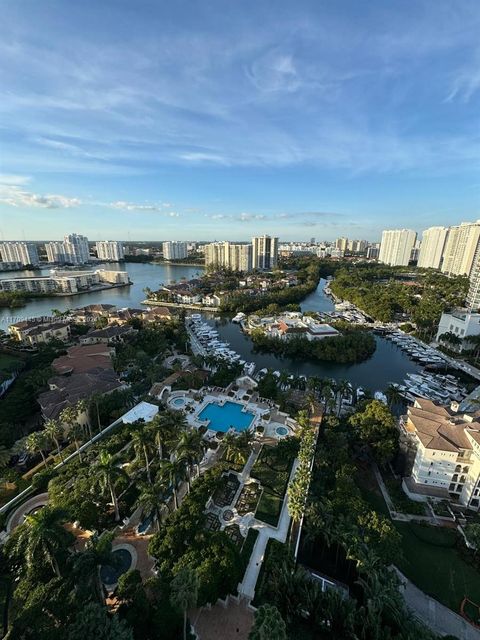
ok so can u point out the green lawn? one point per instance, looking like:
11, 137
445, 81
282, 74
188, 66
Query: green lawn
272, 472
435, 566
430, 559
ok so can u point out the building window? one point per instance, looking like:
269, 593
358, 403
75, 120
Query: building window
458, 468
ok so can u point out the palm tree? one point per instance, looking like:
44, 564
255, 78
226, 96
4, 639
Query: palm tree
82, 407
184, 593
238, 447
36, 442
69, 417
142, 441
5, 455
393, 395
108, 474
173, 471
343, 388
152, 500
42, 536
163, 432
86, 564
191, 448
53, 430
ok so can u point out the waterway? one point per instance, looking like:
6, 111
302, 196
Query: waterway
388, 363
141, 274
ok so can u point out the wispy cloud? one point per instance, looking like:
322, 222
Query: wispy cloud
145, 207
13, 194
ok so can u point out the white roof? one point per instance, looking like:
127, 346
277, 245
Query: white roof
142, 411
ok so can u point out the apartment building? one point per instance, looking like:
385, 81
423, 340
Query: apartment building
237, 257
110, 250
39, 331
65, 281
20, 252
73, 250
446, 450
174, 250
460, 248
432, 247
396, 246
461, 322
264, 252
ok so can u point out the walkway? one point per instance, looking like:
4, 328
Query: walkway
265, 532
231, 620
436, 616
27, 507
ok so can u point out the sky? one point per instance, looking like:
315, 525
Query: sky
219, 119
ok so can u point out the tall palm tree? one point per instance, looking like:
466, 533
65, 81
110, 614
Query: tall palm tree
184, 593
163, 432
393, 395
152, 500
173, 471
238, 447
5, 455
69, 417
142, 441
343, 388
42, 536
108, 474
53, 430
82, 407
191, 448
36, 442
87, 563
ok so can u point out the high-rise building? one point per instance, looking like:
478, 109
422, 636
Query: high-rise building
432, 247
341, 243
396, 246
460, 248
265, 252
174, 250
237, 257
110, 250
73, 250
23, 252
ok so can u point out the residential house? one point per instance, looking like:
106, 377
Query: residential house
39, 331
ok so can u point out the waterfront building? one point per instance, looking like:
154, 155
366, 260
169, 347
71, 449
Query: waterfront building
446, 454
110, 250
462, 323
73, 250
460, 248
432, 247
174, 250
396, 246
22, 252
39, 331
265, 252
237, 257
65, 281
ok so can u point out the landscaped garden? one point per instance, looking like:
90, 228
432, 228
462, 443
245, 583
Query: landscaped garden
272, 470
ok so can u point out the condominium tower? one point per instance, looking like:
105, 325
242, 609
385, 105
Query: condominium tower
396, 246
265, 252
460, 248
73, 250
23, 252
110, 250
432, 247
174, 250
237, 257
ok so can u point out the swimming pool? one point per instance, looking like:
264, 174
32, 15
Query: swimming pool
224, 417
281, 431
123, 561
178, 403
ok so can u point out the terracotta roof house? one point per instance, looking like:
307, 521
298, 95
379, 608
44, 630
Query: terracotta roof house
447, 453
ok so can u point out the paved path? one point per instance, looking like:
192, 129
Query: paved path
435, 615
19, 514
265, 532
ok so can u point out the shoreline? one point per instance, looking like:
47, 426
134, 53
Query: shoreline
180, 305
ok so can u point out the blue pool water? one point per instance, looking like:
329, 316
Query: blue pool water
123, 561
222, 418
282, 431
178, 402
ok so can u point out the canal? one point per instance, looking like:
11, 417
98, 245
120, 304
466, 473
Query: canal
388, 364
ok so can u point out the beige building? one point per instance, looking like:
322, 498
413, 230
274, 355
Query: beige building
460, 248
35, 332
22, 252
432, 247
237, 257
396, 246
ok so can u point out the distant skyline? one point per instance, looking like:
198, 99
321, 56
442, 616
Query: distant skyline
224, 120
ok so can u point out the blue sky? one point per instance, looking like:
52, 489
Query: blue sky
222, 119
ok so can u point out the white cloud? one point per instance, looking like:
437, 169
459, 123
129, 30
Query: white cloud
14, 195
135, 206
